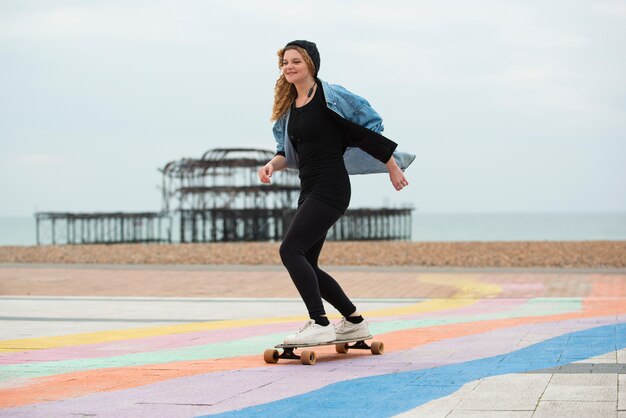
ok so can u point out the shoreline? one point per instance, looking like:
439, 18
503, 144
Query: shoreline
470, 254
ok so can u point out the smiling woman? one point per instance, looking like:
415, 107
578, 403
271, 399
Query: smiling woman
315, 124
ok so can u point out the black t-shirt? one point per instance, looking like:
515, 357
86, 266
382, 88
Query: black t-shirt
320, 145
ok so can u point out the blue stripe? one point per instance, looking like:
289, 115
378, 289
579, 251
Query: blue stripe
392, 394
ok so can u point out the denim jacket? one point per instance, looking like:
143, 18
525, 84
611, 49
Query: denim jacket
354, 109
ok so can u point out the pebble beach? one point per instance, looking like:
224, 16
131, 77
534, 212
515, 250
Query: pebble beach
558, 254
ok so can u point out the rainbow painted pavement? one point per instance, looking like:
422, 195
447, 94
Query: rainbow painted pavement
498, 344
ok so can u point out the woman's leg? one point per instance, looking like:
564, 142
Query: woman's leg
353, 326
330, 290
310, 225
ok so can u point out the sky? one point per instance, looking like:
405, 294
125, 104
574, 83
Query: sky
510, 106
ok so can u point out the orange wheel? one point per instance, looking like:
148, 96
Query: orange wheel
270, 356
308, 357
342, 348
377, 347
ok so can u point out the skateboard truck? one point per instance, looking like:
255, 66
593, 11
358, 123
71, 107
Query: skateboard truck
289, 354
359, 345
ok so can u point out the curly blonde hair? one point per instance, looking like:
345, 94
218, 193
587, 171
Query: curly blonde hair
285, 92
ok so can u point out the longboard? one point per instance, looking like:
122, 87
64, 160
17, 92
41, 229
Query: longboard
271, 355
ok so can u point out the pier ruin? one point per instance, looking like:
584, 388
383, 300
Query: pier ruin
217, 198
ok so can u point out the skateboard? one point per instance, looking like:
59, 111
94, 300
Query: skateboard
309, 357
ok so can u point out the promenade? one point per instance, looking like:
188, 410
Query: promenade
188, 341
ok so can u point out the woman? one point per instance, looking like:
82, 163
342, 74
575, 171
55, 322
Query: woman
323, 130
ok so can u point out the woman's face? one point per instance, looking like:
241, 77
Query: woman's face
294, 67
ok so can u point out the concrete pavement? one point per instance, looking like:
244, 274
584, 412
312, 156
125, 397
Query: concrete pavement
119, 341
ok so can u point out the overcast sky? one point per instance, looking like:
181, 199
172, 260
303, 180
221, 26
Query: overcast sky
510, 106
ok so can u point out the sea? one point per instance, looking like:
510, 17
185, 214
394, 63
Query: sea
442, 227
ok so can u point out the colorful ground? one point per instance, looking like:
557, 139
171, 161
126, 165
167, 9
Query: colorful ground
494, 343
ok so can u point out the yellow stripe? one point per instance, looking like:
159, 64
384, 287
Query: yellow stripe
467, 287
468, 291
431, 305
129, 334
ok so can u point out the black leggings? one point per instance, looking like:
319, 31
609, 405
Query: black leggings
299, 252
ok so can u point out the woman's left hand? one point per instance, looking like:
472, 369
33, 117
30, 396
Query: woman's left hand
396, 175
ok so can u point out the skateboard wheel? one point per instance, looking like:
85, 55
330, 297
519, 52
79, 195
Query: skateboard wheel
308, 357
270, 356
342, 348
377, 347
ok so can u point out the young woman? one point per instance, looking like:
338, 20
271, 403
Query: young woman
325, 132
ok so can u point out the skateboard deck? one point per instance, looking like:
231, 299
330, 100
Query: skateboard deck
271, 355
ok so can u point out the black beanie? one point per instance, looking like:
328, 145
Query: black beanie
311, 49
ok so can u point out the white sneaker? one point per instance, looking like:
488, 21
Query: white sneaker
346, 330
312, 333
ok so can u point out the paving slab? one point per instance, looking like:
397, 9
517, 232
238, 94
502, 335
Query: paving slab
559, 409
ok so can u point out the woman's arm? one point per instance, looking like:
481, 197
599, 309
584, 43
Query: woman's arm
363, 129
277, 163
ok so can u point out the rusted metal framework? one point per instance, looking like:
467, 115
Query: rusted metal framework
219, 198
226, 178
102, 228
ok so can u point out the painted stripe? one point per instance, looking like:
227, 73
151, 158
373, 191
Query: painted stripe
7, 346
72, 384
250, 345
392, 394
164, 388
131, 334
485, 306
468, 291
84, 382
463, 287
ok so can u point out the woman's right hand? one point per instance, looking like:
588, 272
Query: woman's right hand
265, 173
